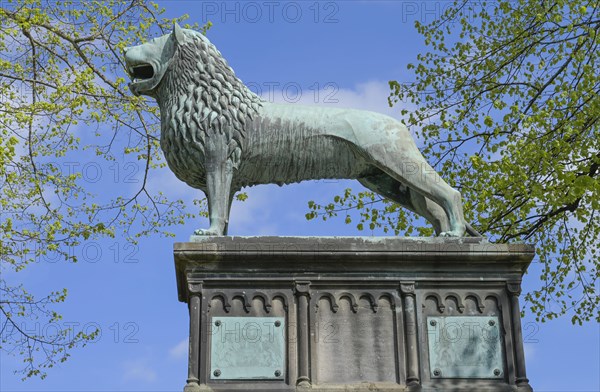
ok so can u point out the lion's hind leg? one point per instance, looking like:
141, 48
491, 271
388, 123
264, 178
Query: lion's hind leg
434, 192
403, 162
431, 211
395, 191
387, 187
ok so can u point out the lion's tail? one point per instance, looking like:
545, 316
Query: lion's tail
471, 231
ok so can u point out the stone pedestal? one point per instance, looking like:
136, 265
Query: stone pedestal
353, 313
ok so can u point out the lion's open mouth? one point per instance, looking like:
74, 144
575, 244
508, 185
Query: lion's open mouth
141, 72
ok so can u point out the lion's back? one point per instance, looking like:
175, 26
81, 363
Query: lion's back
356, 126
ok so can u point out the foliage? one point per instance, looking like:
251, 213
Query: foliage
508, 111
61, 95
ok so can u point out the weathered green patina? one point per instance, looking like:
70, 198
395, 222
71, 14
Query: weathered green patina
218, 136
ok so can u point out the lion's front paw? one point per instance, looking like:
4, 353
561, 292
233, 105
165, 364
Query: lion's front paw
452, 233
206, 232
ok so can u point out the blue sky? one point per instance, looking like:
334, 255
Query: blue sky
333, 54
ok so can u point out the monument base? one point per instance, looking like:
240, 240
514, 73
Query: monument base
353, 313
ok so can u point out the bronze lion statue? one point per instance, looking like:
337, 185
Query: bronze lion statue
218, 136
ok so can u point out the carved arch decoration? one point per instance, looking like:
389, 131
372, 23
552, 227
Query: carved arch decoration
351, 298
267, 302
372, 300
497, 300
332, 300
284, 299
478, 301
459, 302
390, 297
440, 304
246, 304
224, 298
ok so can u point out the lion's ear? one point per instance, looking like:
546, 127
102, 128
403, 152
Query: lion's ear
178, 34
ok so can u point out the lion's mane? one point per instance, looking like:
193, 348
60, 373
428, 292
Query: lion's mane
200, 96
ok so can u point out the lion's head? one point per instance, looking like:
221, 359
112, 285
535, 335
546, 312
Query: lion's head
195, 88
189, 58
147, 63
